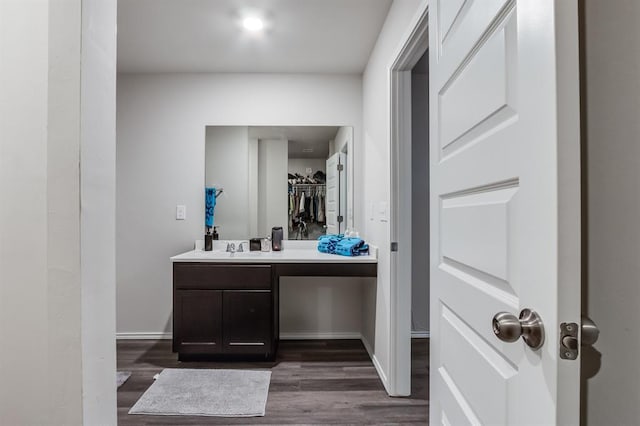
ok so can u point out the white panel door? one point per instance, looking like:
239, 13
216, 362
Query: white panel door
505, 207
342, 191
332, 201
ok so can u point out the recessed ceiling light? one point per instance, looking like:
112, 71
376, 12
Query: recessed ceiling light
253, 24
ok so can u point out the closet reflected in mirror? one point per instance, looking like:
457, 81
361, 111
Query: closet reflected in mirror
296, 177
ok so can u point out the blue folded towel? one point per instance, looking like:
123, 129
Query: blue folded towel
327, 243
351, 247
337, 244
324, 248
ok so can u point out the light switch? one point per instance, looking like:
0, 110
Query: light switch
181, 212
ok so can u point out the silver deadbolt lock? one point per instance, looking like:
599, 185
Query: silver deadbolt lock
509, 328
569, 337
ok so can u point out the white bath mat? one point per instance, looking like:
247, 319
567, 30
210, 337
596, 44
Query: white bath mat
200, 392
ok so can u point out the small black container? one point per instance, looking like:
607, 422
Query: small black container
208, 242
254, 244
276, 238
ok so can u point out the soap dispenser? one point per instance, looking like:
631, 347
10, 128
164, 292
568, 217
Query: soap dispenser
208, 242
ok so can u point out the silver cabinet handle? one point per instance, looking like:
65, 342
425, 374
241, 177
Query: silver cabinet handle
509, 328
246, 344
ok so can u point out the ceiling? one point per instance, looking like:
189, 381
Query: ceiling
304, 141
300, 36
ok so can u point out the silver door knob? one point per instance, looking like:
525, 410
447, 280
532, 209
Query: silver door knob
508, 328
590, 331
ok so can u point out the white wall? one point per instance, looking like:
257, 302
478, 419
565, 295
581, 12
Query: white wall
372, 164
253, 188
57, 287
160, 163
227, 166
272, 186
98, 210
299, 165
613, 161
23, 219
420, 196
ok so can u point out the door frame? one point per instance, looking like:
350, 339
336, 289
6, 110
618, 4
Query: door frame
414, 45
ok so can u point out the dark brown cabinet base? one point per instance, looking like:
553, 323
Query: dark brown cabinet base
223, 311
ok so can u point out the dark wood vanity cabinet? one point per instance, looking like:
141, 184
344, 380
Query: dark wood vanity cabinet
230, 310
223, 310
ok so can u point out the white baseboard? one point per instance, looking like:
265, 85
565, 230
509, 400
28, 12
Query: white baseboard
376, 364
420, 334
319, 336
381, 374
144, 336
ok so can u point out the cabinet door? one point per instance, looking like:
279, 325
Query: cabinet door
247, 318
197, 322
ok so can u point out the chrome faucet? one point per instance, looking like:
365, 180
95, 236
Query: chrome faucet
231, 247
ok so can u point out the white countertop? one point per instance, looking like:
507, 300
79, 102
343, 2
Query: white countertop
292, 252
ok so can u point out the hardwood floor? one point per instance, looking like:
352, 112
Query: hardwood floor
312, 382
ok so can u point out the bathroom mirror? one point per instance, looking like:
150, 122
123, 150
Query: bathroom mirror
297, 177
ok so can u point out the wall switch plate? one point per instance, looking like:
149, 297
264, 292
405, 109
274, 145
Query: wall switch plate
383, 213
181, 212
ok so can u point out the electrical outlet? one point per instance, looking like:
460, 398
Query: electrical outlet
181, 212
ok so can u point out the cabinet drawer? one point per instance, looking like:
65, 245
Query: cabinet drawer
219, 277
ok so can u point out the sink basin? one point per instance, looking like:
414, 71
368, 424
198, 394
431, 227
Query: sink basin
246, 254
